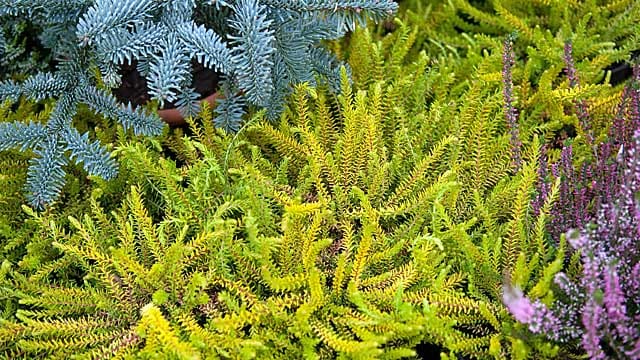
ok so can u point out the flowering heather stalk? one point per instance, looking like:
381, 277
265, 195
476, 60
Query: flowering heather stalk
607, 176
535, 314
585, 190
627, 117
618, 126
574, 81
605, 297
510, 113
593, 258
543, 185
571, 210
635, 97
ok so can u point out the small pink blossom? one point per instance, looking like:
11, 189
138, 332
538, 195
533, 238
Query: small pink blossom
518, 305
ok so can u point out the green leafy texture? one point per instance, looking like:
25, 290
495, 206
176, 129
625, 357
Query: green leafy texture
488, 228
25, 242
234, 255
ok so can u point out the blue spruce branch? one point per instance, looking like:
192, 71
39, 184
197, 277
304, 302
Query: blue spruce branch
45, 176
206, 46
123, 46
44, 86
230, 109
106, 104
106, 15
62, 114
253, 50
95, 159
21, 136
9, 90
169, 71
188, 103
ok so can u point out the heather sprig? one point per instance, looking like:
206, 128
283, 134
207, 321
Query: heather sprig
535, 314
587, 186
574, 81
543, 186
599, 309
627, 116
510, 112
571, 210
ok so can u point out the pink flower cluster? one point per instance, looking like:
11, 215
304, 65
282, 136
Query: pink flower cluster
599, 308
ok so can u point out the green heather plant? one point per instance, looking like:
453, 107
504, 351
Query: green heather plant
435, 132
246, 259
370, 186
451, 23
558, 100
354, 227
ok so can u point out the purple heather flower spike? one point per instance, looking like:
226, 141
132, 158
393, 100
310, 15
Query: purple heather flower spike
574, 81
635, 352
614, 301
511, 114
535, 314
543, 186
518, 305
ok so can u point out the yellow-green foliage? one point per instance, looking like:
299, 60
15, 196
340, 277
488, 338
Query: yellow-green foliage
240, 263
486, 223
462, 194
602, 33
24, 246
451, 23
405, 176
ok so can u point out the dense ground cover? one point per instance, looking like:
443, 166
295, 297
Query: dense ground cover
459, 181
